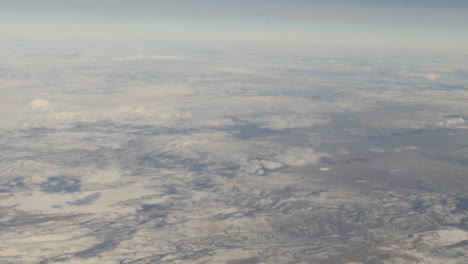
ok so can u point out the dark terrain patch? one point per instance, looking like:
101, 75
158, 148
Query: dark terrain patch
251, 260
61, 184
86, 200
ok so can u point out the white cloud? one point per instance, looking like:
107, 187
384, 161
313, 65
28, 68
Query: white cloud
30, 172
433, 77
424, 74
455, 122
282, 121
271, 165
300, 156
377, 150
220, 150
41, 105
405, 148
151, 57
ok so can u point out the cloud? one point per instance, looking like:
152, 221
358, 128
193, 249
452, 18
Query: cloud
406, 148
151, 57
41, 105
300, 156
220, 150
432, 76
282, 121
377, 150
26, 172
454, 122
422, 75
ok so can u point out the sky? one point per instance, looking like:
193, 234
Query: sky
402, 25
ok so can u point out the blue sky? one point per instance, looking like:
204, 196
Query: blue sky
397, 24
